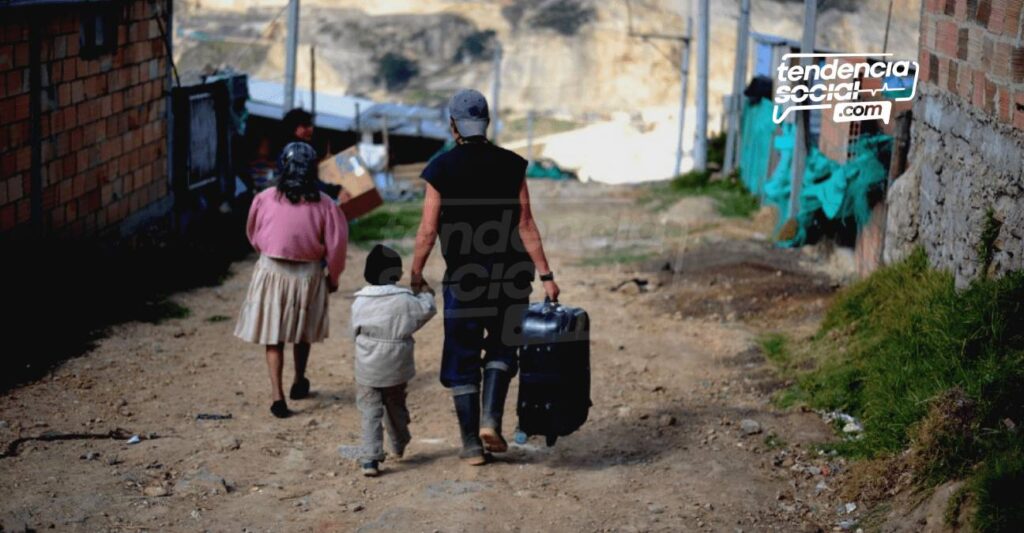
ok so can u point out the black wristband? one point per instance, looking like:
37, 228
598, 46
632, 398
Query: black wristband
550, 276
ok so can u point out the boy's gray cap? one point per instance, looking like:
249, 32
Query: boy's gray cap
468, 108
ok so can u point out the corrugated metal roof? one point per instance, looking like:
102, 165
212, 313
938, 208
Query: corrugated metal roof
30, 3
338, 111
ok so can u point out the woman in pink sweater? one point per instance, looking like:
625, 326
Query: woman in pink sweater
297, 230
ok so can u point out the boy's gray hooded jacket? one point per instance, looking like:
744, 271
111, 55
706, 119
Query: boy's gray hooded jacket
384, 317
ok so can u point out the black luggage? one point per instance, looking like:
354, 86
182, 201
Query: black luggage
554, 366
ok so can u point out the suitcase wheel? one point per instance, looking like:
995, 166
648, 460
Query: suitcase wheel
550, 440
519, 437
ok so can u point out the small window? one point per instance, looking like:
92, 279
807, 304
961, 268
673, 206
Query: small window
98, 33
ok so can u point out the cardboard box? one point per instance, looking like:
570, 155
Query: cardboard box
346, 169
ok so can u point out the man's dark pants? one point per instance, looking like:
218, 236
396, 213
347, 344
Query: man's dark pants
483, 320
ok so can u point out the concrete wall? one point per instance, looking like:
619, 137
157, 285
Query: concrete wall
967, 147
103, 121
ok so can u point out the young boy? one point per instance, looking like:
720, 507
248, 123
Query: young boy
384, 317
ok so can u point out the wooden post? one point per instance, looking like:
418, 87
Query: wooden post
312, 81
386, 139
700, 141
739, 77
495, 94
900, 145
684, 77
529, 137
291, 49
802, 117
888, 20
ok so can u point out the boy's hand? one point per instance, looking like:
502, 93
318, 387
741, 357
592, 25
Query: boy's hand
332, 287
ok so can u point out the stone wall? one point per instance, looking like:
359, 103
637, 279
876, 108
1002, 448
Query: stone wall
964, 163
967, 141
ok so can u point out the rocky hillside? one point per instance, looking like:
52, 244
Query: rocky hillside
568, 56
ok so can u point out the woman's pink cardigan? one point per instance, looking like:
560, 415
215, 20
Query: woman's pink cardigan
306, 231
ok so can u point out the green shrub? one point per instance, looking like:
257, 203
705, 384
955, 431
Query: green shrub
476, 46
396, 71
565, 17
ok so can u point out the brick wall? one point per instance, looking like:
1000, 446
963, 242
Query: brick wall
103, 120
973, 49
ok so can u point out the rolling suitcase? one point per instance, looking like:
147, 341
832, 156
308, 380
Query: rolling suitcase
554, 371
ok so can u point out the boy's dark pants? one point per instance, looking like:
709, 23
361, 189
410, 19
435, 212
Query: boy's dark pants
476, 323
386, 404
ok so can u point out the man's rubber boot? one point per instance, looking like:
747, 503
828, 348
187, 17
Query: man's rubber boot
495, 390
467, 408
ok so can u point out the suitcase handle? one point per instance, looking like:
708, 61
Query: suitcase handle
550, 306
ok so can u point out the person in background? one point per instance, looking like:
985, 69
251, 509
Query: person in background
478, 203
298, 127
384, 318
297, 230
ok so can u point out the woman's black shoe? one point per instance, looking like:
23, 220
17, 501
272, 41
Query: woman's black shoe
300, 389
280, 409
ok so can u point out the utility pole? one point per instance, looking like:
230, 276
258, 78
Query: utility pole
802, 117
739, 77
312, 81
684, 78
290, 55
700, 144
495, 93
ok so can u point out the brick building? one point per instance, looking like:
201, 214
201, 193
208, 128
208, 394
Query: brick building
966, 174
83, 115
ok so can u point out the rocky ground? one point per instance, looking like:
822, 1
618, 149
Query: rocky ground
682, 435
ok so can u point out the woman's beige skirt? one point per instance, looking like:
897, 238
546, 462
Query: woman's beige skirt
287, 302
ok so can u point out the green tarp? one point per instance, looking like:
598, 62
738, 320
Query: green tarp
839, 191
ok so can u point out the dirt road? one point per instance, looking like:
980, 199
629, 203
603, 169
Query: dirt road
675, 371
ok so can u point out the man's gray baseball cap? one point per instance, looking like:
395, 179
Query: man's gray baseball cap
468, 108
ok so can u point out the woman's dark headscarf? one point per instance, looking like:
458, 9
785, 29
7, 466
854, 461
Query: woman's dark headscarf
298, 168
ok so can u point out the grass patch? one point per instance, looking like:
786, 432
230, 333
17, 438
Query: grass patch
731, 198
997, 488
617, 257
929, 368
391, 221
774, 442
986, 243
160, 311
716, 149
217, 318
775, 347
955, 506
